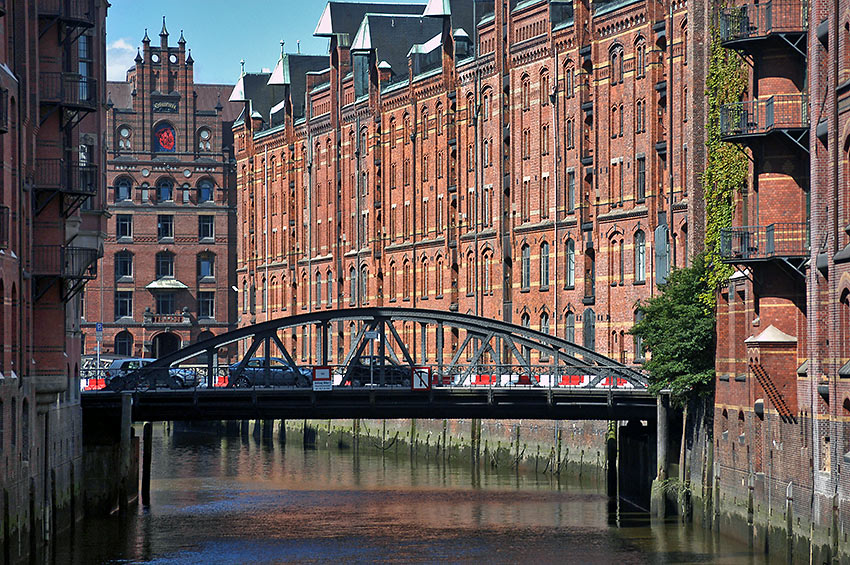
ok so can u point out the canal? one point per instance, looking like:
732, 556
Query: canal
234, 501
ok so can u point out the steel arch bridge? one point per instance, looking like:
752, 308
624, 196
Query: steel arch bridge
479, 347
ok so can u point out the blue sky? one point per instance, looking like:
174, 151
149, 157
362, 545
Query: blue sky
219, 32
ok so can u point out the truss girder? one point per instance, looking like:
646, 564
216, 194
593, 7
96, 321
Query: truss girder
489, 334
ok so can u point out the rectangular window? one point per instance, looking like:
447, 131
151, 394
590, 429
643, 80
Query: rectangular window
123, 226
641, 179
206, 227
165, 226
165, 303
123, 304
164, 265
206, 304
123, 265
571, 191
544, 197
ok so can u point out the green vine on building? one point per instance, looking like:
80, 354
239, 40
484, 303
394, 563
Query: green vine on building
727, 167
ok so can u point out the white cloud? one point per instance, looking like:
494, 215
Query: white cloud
119, 57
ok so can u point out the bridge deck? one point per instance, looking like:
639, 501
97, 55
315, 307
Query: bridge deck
453, 403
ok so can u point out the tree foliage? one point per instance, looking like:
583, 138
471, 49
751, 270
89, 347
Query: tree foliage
678, 330
727, 166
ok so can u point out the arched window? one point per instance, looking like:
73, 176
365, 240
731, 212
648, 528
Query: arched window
165, 190
526, 93
640, 256
244, 297
439, 123
544, 265
488, 273
614, 62
164, 264
164, 139
525, 263
265, 295
330, 298
439, 278
569, 78
393, 283
570, 325
589, 323
425, 123
352, 285
364, 284
423, 278
405, 280
124, 344
638, 341
544, 88
640, 56
205, 191
544, 323
123, 189
318, 297
206, 265
571, 263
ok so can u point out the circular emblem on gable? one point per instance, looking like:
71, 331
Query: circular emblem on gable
187, 173
146, 172
155, 58
173, 59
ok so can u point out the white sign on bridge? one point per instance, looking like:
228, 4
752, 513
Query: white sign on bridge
421, 378
322, 379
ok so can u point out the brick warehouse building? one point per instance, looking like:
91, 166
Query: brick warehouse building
52, 225
532, 179
783, 356
168, 266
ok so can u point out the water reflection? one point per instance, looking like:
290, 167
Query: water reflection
231, 501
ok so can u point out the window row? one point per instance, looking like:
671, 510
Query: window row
164, 226
165, 303
164, 191
124, 265
164, 138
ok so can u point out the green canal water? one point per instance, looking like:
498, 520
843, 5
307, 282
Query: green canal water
235, 501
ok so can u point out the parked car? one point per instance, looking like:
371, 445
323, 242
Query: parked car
367, 370
129, 374
281, 373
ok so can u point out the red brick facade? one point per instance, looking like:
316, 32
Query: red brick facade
783, 394
166, 276
52, 226
542, 208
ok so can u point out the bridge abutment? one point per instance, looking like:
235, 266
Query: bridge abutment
111, 458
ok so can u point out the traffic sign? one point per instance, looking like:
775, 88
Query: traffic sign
421, 378
322, 379
98, 330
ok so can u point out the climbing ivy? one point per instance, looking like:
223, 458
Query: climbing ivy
726, 169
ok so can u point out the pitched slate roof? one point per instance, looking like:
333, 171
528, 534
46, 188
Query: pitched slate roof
344, 18
209, 95
392, 37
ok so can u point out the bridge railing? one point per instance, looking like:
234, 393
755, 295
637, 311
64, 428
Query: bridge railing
395, 376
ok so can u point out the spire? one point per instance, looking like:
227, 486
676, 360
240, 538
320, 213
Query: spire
298, 43
146, 39
189, 59
282, 43
163, 32
218, 106
181, 41
138, 58
238, 93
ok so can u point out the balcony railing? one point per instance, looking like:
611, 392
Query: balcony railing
181, 318
68, 89
65, 262
5, 226
56, 174
755, 243
77, 11
759, 117
755, 21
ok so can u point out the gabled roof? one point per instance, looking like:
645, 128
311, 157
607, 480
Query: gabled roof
771, 334
344, 18
438, 8
392, 36
209, 96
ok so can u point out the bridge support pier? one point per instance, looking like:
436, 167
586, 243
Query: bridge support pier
658, 496
147, 440
281, 434
611, 461
245, 432
268, 429
110, 458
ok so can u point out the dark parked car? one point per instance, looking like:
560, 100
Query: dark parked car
130, 373
367, 370
281, 373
